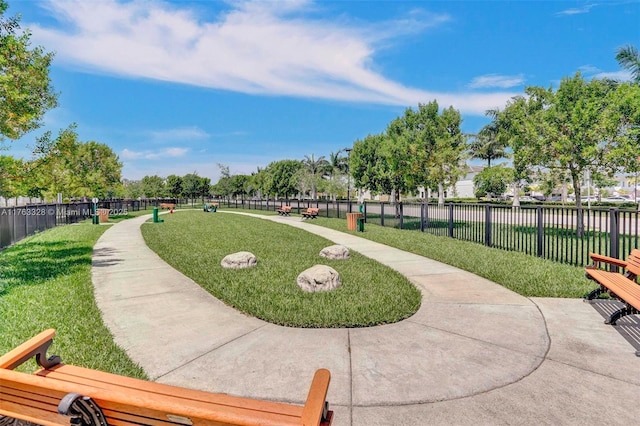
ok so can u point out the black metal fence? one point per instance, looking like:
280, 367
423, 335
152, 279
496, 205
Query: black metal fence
19, 222
558, 233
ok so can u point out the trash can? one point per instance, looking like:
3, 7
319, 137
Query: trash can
351, 220
360, 224
104, 215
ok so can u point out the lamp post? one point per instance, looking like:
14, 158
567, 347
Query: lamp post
348, 151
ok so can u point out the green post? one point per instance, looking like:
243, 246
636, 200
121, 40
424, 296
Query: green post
360, 224
155, 216
95, 219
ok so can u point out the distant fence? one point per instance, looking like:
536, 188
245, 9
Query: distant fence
549, 232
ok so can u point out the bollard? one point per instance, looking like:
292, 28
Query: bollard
360, 224
155, 216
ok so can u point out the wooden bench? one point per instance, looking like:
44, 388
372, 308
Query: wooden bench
59, 394
170, 206
310, 213
284, 211
622, 286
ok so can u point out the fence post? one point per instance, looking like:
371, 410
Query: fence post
487, 225
540, 251
401, 214
450, 219
382, 213
364, 210
614, 232
422, 216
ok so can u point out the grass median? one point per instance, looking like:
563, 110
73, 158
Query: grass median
527, 275
195, 243
45, 282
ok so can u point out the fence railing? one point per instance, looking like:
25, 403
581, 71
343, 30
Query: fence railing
549, 232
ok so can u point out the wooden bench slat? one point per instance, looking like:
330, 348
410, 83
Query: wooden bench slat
85, 376
33, 415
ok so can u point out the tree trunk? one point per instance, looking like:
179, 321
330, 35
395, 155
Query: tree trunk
516, 195
440, 194
580, 214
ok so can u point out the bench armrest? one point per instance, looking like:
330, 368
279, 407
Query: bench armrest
315, 410
599, 258
36, 346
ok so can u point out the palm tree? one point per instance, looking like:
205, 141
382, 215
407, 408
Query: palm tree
487, 146
629, 58
336, 166
316, 169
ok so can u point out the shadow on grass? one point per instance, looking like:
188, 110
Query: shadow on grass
33, 263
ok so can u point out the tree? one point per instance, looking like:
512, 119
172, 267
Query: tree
191, 185
446, 151
11, 176
486, 145
337, 167
173, 186
368, 165
315, 170
97, 170
153, 186
203, 187
562, 130
26, 92
492, 181
132, 189
74, 168
629, 58
280, 177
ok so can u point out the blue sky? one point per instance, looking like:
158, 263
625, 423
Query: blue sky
175, 87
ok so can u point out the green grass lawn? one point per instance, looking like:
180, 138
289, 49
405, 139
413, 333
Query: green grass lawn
45, 282
195, 243
527, 275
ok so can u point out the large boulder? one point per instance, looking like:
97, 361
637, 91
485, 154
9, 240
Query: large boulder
335, 252
319, 278
239, 260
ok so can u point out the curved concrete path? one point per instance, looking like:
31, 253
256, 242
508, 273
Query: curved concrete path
474, 353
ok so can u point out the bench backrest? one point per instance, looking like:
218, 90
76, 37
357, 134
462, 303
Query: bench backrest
633, 262
312, 210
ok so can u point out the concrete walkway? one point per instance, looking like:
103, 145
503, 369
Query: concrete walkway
474, 353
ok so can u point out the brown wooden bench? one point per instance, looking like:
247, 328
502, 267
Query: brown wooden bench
170, 206
623, 286
284, 211
310, 213
60, 394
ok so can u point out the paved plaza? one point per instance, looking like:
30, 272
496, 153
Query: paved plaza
474, 353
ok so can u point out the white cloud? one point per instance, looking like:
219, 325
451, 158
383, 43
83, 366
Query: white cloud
179, 134
576, 10
128, 154
590, 71
496, 80
267, 48
614, 75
